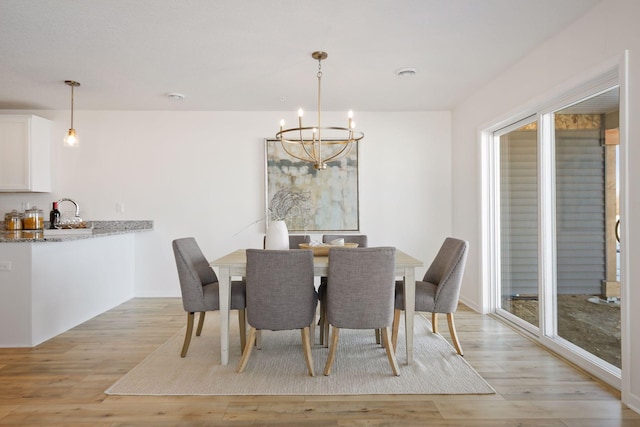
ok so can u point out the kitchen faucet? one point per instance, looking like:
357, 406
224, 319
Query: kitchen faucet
74, 202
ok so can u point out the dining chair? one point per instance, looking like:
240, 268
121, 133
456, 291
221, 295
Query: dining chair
294, 243
294, 240
439, 290
199, 288
280, 296
360, 295
362, 241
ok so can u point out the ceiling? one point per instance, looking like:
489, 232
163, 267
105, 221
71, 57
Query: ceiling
243, 55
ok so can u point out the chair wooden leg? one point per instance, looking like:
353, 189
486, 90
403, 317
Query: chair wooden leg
322, 323
242, 322
200, 323
247, 350
312, 331
454, 335
332, 350
325, 329
377, 336
434, 322
306, 347
391, 353
395, 328
187, 336
259, 340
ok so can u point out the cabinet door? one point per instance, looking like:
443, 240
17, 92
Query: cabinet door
14, 153
25, 153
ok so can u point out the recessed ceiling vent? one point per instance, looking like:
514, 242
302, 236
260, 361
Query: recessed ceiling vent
407, 71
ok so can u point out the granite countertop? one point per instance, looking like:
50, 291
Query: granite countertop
99, 229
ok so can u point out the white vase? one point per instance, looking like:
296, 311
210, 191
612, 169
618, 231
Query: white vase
277, 236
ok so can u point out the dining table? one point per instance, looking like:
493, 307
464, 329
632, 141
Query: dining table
234, 264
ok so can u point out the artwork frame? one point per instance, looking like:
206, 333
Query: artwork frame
309, 200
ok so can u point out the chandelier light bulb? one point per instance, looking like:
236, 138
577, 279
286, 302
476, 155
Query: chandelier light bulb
300, 112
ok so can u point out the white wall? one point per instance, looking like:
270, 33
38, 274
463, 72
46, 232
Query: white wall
202, 174
601, 36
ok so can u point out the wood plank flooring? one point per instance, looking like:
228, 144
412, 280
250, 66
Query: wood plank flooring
61, 383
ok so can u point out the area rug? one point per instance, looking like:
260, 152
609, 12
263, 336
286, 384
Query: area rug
278, 368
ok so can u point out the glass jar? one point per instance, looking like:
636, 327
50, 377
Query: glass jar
33, 219
32, 234
12, 221
13, 235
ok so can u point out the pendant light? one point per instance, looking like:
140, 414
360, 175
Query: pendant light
307, 143
71, 138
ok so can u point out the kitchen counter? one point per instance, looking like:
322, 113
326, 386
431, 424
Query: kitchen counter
53, 283
100, 229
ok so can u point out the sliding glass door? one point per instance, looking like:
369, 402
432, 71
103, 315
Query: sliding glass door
556, 267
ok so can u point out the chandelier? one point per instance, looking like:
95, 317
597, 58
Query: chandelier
316, 144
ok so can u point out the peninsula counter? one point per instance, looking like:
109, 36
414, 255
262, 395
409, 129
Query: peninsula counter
53, 283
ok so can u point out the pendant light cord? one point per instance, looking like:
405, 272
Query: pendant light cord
71, 106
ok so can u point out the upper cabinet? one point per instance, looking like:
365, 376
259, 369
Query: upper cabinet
25, 154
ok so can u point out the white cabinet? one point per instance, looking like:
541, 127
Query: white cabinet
25, 153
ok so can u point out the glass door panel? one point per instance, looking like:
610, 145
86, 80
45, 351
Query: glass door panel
519, 223
587, 287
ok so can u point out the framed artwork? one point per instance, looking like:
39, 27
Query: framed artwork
311, 200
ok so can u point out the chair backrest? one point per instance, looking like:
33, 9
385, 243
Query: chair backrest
360, 239
361, 287
280, 290
294, 240
194, 272
446, 272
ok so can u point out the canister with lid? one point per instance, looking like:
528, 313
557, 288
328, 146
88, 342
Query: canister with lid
12, 221
33, 219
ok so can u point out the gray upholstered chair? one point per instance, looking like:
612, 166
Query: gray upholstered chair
360, 295
199, 287
439, 290
294, 240
280, 296
361, 240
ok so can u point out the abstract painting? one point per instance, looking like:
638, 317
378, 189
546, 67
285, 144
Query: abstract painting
311, 200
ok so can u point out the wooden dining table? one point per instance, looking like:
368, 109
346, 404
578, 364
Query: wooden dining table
234, 264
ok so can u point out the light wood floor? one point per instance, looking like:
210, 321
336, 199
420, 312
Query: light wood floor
61, 383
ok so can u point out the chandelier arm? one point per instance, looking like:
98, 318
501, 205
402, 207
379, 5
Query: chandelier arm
340, 154
292, 154
310, 157
303, 143
300, 128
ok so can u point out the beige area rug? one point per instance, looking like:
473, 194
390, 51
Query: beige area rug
361, 367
